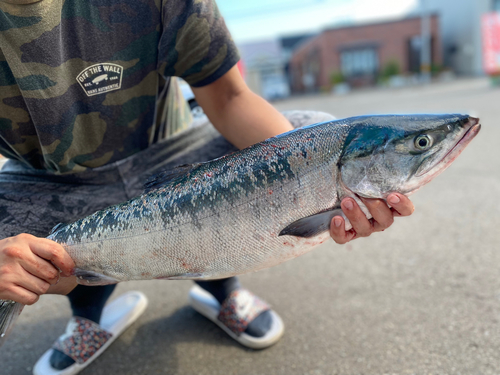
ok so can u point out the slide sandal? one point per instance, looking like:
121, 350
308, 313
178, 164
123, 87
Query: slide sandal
236, 312
85, 340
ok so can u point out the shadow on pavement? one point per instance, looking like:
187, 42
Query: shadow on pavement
153, 347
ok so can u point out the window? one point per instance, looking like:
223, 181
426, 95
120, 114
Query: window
359, 62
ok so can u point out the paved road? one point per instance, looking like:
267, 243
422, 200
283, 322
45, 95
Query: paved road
421, 298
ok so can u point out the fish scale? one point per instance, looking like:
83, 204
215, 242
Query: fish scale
260, 206
202, 224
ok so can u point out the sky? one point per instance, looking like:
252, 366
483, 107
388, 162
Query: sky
255, 20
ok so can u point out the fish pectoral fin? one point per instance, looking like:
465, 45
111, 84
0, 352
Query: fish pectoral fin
313, 225
92, 278
168, 176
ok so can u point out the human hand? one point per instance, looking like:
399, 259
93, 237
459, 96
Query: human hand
29, 266
383, 217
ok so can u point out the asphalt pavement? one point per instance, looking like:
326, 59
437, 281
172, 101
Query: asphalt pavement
421, 298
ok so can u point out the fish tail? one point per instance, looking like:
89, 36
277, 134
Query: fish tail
9, 311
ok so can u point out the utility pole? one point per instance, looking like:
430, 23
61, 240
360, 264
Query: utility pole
425, 45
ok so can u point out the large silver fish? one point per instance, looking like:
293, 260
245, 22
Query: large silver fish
261, 206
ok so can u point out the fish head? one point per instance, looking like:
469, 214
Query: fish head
401, 153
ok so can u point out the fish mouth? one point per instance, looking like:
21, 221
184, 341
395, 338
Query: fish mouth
446, 160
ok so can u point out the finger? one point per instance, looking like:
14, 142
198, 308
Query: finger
19, 294
32, 283
40, 268
401, 205
361, 225
54, 253
381, 213
338, 232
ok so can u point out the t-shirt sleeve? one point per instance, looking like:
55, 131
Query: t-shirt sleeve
195, 43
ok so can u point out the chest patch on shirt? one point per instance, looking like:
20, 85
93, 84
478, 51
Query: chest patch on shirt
100, 78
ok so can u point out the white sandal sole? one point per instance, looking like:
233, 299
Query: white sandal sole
117, 316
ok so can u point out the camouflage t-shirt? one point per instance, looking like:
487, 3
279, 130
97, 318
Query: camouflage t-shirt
84, 83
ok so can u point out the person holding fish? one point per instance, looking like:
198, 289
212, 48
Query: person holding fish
90, 107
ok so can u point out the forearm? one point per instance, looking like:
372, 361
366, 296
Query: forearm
241, 116
249, 119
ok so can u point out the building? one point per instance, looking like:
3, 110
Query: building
360, 53
288, 46
267, 65
461, 32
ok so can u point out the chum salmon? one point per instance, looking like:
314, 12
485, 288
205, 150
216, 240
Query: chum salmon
260, 206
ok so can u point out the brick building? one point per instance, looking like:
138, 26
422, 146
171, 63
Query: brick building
360, 53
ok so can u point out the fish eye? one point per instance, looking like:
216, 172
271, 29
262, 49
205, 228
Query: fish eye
423, 142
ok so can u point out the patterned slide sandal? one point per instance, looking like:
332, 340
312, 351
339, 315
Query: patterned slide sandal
85, 340
236, 312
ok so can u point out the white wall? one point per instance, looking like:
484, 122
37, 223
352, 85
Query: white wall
461, 26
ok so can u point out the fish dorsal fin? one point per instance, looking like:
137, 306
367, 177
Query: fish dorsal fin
313, 225
168, 176
56, 228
